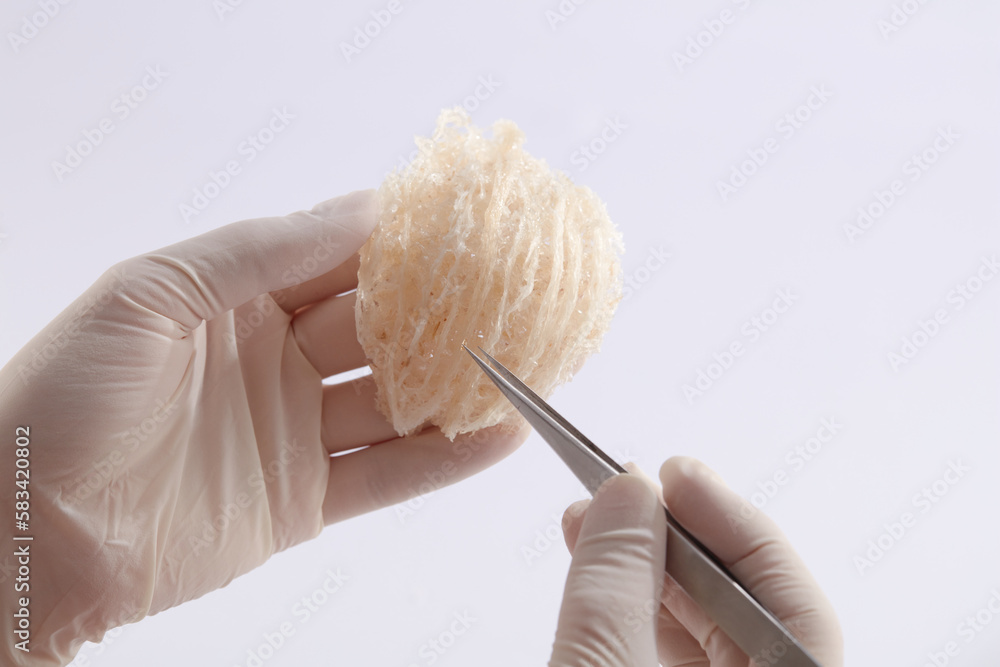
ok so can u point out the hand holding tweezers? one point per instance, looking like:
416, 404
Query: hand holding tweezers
698, 571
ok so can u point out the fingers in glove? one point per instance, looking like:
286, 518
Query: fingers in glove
675, 644
756, 552
350, 418
402, 468
573, 516
342, 279
328, 337
202, 277
704, 637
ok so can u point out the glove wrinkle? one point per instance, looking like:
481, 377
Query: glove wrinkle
611, 600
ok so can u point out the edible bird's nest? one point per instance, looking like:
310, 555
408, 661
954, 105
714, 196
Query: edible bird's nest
478, 241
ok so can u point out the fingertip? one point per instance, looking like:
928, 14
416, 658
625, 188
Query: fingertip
679, 466
574, 513
682, 471
572, 520
400, 468
692, 489
635, 470
713, 512
367, 202
626, 499
491, 444
355, 214
523, 430
622, 501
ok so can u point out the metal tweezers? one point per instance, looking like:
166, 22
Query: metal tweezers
699, 572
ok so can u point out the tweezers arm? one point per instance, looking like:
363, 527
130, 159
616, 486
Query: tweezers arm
752, 627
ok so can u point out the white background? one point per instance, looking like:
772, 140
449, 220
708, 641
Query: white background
465, 550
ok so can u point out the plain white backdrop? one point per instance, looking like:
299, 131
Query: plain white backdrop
805, 112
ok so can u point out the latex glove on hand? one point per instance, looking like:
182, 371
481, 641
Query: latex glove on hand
621, 610
180, 433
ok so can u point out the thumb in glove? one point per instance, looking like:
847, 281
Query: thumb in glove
612, 596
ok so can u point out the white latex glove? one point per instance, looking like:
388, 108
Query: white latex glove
180, 433
620, 610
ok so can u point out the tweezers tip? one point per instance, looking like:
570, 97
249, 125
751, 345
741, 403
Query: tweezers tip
475, 357
488, 357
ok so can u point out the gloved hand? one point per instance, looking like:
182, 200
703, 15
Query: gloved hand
619, 608
179, 432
